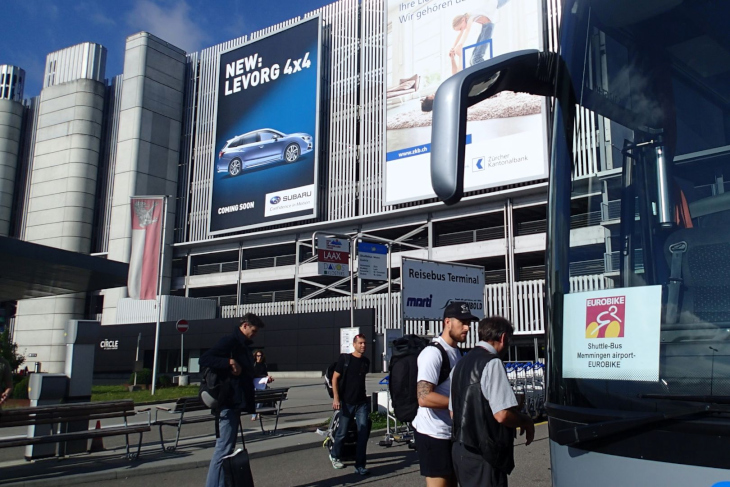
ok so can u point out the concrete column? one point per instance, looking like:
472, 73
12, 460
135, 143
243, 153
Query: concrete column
148, 146
11, 122
61, 206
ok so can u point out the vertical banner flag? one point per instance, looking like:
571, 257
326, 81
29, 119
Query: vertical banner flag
144, 261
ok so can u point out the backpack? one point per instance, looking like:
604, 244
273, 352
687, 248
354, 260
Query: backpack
331, 371
404, 374
214, 388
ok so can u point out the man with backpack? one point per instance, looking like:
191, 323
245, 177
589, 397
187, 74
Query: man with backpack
350, 398
232, 361
433, 421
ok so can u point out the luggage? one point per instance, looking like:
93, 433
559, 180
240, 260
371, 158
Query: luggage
349, 445
331, 371
404, 374
237, 469
214, 388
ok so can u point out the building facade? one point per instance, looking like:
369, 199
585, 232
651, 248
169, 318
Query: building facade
71, 158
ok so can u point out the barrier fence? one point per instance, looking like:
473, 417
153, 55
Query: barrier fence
523, 304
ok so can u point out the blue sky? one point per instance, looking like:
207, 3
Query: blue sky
30, 29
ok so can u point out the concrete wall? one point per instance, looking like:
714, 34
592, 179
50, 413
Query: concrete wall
148, 146
61, 207
11, 122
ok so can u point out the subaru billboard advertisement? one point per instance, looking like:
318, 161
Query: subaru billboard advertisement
266, 134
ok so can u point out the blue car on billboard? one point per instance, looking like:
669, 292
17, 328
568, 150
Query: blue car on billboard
261, 147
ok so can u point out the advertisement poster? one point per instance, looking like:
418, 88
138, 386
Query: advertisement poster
265, 154
427, 42
333, 256
347, 335
613, 334
428, 287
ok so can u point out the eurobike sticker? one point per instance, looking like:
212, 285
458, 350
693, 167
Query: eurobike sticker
612, 334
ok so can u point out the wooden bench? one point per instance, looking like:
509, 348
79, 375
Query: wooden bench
60, 414
270, 399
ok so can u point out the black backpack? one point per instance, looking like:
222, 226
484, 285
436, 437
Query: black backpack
404, 374
331, 371
214, 388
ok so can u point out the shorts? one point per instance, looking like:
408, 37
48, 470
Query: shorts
434, 456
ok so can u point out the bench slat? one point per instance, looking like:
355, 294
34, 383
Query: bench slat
77, 435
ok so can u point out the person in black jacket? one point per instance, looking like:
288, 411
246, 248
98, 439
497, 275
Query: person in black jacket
231, 357
260, 371
485, 410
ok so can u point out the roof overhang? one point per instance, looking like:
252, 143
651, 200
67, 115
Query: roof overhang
29, 270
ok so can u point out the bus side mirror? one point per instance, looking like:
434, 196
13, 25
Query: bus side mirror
528, 71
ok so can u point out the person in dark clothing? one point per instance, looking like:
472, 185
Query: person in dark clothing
350, 398
231, 358
260, 371
485, 411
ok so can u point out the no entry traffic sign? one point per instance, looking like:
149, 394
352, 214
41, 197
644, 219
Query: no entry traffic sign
182, 326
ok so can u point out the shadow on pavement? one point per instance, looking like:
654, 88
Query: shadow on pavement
388, 464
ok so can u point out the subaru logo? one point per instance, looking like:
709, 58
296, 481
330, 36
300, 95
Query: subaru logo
275, 200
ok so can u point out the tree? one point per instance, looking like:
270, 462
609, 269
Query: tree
9, 350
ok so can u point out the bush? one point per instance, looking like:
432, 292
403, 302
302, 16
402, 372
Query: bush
8, 350
144, 377
20, 391
164, 381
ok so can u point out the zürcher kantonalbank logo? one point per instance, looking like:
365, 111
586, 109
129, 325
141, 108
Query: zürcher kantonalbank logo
605, 317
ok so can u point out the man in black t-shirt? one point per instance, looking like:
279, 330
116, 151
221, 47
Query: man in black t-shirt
348, 385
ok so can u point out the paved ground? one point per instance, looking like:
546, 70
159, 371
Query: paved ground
293, 457
389, 466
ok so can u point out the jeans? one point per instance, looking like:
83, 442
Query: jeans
228, 425
360, 413
480, 50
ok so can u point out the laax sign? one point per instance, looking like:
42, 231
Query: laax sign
612, 334
333, 256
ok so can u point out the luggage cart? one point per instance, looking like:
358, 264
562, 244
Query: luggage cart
397, 433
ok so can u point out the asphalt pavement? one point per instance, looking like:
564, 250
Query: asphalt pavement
396, 465
292, 457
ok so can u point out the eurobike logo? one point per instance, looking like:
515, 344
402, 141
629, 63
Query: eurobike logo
605, 317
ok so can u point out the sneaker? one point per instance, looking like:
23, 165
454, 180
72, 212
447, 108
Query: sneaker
362, 470
336, 464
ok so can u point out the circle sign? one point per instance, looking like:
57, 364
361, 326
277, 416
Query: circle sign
182, 326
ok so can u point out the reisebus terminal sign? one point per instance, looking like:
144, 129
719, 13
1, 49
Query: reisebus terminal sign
428, 287
613, 334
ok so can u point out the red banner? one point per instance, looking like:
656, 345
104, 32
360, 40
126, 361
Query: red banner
144, 261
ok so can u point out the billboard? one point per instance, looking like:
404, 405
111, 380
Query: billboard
266, 130
427, 42
428, 287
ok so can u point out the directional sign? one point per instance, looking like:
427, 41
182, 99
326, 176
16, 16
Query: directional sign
372, 261
333, 256
182, 326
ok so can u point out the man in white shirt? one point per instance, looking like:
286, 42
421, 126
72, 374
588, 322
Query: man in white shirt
433, 421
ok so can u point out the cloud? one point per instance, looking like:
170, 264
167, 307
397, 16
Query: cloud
170, 21
93, 12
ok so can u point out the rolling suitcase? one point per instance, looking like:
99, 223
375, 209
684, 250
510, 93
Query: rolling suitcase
237, 469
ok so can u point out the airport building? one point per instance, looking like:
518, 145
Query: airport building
316, 127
